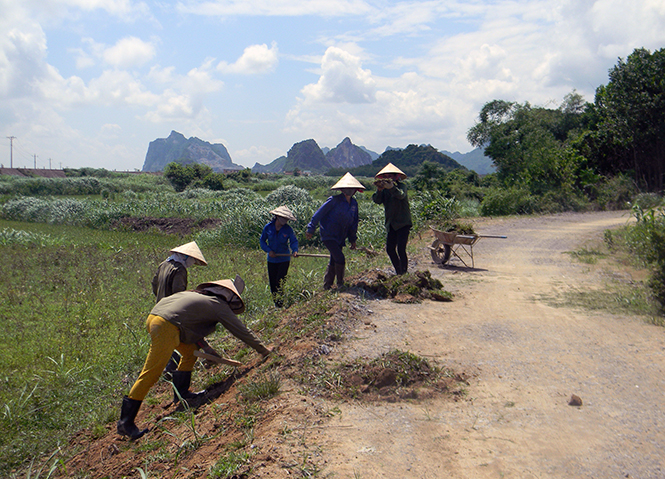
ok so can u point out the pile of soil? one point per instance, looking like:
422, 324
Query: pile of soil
178, 226
406, 288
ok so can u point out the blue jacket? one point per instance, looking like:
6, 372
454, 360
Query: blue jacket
278, 241
338, 219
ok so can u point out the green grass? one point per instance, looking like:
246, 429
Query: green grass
229, 464
264, 387
624, 289
73, 302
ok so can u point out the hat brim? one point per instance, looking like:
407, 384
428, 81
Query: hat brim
231, 286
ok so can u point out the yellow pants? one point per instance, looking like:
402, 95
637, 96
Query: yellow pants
165, 339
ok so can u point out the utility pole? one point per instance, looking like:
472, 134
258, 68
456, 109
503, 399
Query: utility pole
11, 151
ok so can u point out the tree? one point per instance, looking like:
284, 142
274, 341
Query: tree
181, 176
531, 146
630, 109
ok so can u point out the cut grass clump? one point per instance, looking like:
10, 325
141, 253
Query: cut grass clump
264, 387
395, 375
229, 464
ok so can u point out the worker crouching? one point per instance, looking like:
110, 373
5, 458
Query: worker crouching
177, 322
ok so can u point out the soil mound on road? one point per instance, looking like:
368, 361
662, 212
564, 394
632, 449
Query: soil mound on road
406, 288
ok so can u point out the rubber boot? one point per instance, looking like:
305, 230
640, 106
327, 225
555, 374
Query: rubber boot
339, 272
181, 383
171, 366
126, 426
329, 277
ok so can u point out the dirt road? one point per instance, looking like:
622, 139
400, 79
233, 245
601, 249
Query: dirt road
528, 358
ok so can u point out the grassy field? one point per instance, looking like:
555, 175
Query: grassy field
74, 301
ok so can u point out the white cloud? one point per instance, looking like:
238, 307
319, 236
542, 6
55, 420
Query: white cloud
126, 9
22, 51
343, 80
129, 52
408, 109
275, 7
256, 59
255, 154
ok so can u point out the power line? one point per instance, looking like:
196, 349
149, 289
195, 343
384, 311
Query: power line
11, 151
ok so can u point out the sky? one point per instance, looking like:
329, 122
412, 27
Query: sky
90, 83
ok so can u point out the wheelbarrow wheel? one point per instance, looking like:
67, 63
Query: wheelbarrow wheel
440, 252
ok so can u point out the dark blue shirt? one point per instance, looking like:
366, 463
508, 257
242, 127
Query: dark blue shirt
278, 241
338, 219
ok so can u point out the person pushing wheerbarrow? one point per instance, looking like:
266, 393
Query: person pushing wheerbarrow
178, 322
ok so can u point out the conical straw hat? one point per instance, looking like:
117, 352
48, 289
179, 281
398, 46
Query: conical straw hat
348, 181
236, 286
284, 212
390, 168
191, 249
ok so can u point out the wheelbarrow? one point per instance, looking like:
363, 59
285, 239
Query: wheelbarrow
451, 243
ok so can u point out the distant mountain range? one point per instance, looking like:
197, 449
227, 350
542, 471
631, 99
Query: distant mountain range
305, 156
474, 160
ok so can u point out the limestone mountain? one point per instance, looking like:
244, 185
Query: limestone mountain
182, 150
348, 155
308, 156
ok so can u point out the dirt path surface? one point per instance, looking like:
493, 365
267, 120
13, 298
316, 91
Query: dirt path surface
528, 359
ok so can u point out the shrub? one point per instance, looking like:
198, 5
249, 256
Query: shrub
434, 205
510, 201
613, 193
647, 240
288, 195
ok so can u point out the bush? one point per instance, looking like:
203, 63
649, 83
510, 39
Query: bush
613, 193
288, 195
433, 205
511, 201
647, 240
647, 201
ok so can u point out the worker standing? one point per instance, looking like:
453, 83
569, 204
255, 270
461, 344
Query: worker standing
391, 192
338, 218
280, 242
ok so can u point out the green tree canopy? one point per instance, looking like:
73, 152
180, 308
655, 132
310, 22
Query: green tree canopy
181, 176
530, 146
630, 116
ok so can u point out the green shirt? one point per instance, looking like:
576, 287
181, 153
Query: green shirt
171, 277
196, 315
396, 204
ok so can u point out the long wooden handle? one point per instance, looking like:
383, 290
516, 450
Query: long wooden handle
217, 359
309, 255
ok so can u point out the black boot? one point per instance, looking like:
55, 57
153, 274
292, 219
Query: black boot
181, 382
171, 366
126, 426
329, 277
339, 272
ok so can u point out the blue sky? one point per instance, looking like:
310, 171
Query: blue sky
93, 82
